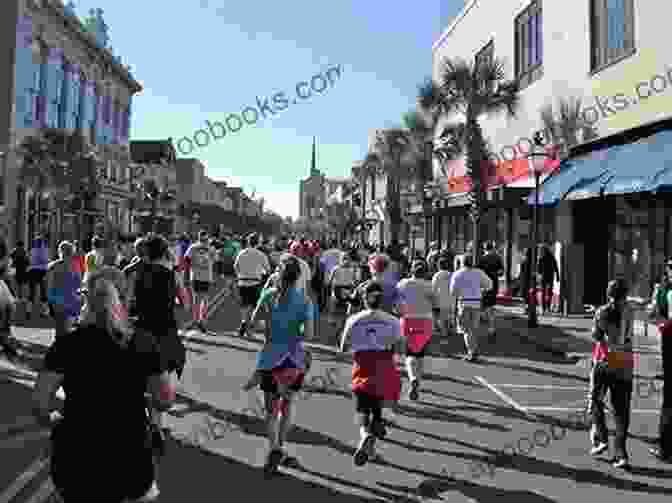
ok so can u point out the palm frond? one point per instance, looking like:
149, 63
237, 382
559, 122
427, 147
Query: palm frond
565, 122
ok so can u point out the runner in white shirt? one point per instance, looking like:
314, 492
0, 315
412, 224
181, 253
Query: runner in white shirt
200, 257
445, 301
341, 284
416, 303
251, 267
468, 285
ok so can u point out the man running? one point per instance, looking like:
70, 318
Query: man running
200, 258
251, 267
341, 284
416, 301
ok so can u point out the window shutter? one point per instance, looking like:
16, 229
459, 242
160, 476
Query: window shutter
24, 68
127, 122
64, 105
54, 74
629, 26
539, 37
599, 42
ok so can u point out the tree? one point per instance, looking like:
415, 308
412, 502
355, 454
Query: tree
565, 124
473, 90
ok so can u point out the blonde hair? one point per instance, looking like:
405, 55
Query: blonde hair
104, 309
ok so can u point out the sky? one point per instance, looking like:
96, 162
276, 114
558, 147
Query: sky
201, 60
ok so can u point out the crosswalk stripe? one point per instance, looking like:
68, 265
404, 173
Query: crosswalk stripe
23, 480
43, 493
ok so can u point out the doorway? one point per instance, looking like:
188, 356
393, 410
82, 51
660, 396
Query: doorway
592, 224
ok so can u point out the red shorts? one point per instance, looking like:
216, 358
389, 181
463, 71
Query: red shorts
418, 333
375, 374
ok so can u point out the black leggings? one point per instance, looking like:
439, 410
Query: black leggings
369, 408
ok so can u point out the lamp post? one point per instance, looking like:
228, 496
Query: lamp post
537, 160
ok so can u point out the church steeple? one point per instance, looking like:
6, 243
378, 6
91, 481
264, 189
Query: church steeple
313, 165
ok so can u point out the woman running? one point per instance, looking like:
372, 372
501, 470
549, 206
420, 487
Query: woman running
416, 303
281, 364
373, 336
378, 265
64, 282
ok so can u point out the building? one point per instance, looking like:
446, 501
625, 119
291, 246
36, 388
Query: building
154, 167
618, 68
312, 192
59, 72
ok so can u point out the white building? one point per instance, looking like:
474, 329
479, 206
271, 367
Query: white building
611, 54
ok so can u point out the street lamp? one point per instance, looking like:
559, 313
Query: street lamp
537, 161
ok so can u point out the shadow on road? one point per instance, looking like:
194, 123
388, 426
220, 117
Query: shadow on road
188, 473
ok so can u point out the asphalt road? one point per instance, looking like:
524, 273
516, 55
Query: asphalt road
445, 447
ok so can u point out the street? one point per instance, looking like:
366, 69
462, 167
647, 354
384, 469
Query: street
446, 446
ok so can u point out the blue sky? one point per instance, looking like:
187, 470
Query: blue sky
202, 60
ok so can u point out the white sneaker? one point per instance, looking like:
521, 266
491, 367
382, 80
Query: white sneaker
621, 463
599, 449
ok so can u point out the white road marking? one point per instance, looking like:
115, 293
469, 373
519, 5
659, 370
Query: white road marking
23, 480
573, 409
542, 386
503, 396
43, 493
17, 441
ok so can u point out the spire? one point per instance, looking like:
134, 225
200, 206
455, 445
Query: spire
313, 166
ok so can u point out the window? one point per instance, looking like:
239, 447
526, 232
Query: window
485, 54
529, 44
612, 30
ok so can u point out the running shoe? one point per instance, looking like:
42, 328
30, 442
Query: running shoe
658, 453
242, 330
599, 449
621, 462
414, 393
365, 450
273, 461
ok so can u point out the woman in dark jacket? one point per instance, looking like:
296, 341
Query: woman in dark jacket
548, 270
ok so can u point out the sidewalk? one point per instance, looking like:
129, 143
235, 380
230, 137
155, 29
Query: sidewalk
565, 335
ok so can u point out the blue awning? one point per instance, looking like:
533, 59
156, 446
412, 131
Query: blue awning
642, 166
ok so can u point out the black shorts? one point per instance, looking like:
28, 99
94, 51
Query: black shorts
201, 286
489, 299
21, 277
36, 276
367, 404
419, 354
268, 384
249, 295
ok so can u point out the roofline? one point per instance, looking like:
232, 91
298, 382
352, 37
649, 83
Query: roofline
465, 10
103, 52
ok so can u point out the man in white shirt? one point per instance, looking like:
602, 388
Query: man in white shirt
341, 283
467, 285
251, 267
200, 257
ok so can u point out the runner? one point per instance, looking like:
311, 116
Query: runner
444, 300
377, 267
341, 284
416, 300
39, 262
64, 281
251, 266
373, 335
281, 364
200, 259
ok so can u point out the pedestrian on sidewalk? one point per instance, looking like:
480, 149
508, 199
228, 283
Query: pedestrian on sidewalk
549, 273
493, 266
37, 272
20, 263
64, 281
467, 285
100, 450
373, 336
612, 371
661, 312
416, 300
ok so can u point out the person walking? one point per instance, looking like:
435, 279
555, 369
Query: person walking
7, 307
374, 337
549, 273
467, 285
612, 371
416, 300
493, 266
661, 313
37, 272
526, 276
444, 300
20, 263
120, 364
64, 281
289, 316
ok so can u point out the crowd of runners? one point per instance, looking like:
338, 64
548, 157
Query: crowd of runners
386, 303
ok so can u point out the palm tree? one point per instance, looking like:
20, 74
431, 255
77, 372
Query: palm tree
389, 148
473, 90
565, 125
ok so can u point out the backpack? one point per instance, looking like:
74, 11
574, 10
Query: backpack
661, 300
